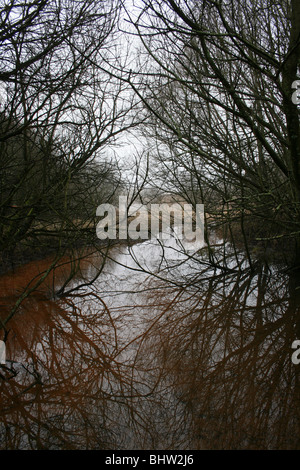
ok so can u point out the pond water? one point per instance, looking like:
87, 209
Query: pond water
155, 350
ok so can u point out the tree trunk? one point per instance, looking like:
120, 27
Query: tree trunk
289, 75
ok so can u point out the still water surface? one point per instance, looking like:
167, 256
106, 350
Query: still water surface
158, 352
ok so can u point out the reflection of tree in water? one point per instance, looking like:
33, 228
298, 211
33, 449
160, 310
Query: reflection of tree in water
210, 367
59, 393
227, 358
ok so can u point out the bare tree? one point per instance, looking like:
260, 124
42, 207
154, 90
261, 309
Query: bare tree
217, 83
61, 109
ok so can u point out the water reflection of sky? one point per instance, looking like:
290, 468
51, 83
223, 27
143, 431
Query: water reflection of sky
160, 352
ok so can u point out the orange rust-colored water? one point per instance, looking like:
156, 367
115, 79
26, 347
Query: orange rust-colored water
132, 362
